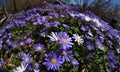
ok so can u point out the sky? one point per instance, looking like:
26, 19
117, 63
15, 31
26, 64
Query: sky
116, 2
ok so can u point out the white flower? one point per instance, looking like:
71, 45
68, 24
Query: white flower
82, 15
118, 50
73, 15
36, 70
97, 22
78, 39
90, 33
21, 68
53, 36
101, 47
87, 18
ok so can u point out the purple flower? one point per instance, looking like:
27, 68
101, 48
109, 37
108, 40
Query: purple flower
89, 46
29, 41
111, 55
56, 23
109, 35
64, 40
99, 44
110, 43
111, 64
44, 20
53, 14
43, 34
14, 45
107, 70
66, 26
36, 66
100, 33
1, 32
83, 28
88, 36
66, 54
74, 62
52, 61
26, 58
39, 47
21, 43
2, 63
89, 58
29, 68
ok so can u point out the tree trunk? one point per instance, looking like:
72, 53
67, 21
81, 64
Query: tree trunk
15, 6
5, 11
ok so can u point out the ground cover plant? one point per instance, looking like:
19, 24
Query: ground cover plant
58, 38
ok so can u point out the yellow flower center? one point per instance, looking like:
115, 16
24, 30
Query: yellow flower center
53, 60
64, 53
77, 38
89, 46
27, 59
39, 48
64, 40
73, 62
